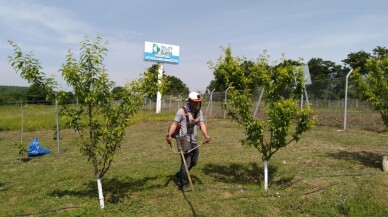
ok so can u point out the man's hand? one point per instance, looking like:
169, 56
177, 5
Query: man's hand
168, 138
207, 139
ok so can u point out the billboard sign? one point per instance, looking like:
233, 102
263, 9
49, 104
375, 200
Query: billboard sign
162, 53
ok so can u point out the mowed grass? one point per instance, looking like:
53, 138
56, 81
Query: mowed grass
328, 173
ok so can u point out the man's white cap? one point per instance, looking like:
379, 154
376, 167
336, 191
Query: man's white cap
194, 96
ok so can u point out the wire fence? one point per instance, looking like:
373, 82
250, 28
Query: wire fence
325, 97
334, 104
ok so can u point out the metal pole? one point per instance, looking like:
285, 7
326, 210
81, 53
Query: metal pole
226, 95
301, 101
209, 105
307, 98
169, 106
77, 110
179, 100
346, 97
57, 122
21, 133
211, 100
258, 102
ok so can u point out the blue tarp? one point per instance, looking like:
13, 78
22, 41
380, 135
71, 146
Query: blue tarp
35, 149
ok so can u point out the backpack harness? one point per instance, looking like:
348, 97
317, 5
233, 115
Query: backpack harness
188, 125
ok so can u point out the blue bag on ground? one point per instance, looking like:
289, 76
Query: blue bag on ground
36, 150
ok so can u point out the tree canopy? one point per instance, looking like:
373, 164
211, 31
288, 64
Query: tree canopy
100, 120
285, 121
373, 82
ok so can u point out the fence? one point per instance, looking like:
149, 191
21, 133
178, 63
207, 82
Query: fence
325, 97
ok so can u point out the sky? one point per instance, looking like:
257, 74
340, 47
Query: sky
327, 29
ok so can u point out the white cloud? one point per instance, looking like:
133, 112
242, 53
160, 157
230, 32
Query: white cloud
41, 23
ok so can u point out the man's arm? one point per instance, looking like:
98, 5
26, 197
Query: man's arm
204, 131
171, 130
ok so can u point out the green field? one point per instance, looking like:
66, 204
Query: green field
328, 173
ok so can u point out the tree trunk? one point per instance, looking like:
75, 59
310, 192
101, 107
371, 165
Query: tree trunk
265, 175
385, 164
100, 195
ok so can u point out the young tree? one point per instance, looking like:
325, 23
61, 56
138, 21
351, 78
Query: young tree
100, 120
374, 83
285, 121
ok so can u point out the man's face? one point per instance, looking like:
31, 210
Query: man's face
194, 106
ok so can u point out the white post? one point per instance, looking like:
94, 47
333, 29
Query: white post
346, 97
301, 101
307, 98
158, 94
226, 95
100, 195
265, 175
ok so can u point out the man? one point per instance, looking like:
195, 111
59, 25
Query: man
189, 117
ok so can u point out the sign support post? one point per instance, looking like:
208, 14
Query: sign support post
158, 94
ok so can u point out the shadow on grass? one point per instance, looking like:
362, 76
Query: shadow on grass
368, 159
114, 190
1, 187
173, 178
238, 173
192, 208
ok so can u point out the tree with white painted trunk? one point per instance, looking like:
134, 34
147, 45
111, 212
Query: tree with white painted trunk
284, 120
99, 119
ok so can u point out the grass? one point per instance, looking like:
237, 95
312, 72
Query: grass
328, 173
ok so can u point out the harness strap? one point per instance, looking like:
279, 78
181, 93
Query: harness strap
186, 115
188, 123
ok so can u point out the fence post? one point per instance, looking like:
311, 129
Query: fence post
169, 105
77, 110
179, 100
258, 102
22, 129
209, 107
226, 95
57, 122
211, 100
209, 104
346, 97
